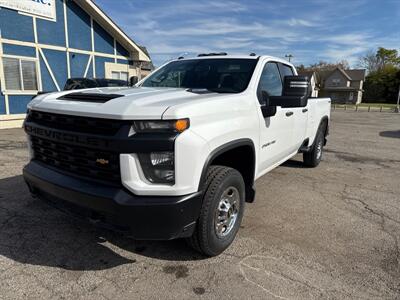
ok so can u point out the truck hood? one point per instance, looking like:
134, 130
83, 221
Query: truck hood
136, 103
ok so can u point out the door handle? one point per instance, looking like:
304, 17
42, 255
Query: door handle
289, 113
305, 110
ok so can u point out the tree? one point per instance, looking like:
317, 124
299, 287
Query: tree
383, 79
301, 68
382, 85
381, 59
326, 66
387, 57
369, 62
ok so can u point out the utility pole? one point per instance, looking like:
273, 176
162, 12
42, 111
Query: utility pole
289, 57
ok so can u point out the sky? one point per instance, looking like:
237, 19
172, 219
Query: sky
310, 30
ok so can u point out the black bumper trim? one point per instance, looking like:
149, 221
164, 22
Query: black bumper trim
146, 217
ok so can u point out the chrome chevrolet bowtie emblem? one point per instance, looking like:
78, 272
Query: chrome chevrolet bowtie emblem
102, 161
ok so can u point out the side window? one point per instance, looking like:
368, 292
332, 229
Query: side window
270, 80
285, 71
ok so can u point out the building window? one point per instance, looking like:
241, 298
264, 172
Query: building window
336, 81
120, 75
20, 74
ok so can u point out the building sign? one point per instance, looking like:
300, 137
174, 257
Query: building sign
41, 8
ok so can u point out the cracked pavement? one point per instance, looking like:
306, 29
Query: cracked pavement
327, 233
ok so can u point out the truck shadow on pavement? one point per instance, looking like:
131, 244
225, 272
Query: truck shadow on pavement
32, 232
291, 163
390, 134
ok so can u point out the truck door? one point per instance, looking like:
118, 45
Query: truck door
276, 132
300, 114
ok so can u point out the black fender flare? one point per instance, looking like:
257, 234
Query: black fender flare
250, 191
306, 147
324, 120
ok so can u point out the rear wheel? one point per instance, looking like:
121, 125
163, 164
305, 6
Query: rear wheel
313, 157
221, 213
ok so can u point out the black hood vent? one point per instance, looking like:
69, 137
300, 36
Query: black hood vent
89, 97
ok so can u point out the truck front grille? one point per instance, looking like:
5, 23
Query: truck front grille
76, 123
91, 163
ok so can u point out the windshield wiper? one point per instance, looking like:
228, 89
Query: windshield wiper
199, 91
223, 91
208, 90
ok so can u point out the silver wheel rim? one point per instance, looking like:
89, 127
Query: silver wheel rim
227, 211
319, 149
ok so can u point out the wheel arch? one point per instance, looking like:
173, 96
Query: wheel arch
324, 125
225, 154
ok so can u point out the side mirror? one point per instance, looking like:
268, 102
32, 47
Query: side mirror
296, 90
133, 80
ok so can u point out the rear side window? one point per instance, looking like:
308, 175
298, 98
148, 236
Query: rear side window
270, 80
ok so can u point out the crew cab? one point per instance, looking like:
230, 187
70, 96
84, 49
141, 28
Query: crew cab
177, 155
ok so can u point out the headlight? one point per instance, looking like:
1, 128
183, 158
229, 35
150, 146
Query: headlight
161, 126
158, 167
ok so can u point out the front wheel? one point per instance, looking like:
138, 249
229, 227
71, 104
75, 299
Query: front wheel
221, 213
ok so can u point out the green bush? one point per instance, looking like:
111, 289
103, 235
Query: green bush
382, 85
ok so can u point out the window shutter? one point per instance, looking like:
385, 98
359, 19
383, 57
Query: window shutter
29, 74
124, 76
115, 75
12, 73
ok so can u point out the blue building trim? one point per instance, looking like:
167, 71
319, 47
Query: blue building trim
2, 104
79, 27
16, 26
52, 33
121, 50
123, 61
78, 63
90, 70
47, 82
19, 50
103, 41
18, 103
57, 61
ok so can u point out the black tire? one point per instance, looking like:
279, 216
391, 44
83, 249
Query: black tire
205, 238
313, 157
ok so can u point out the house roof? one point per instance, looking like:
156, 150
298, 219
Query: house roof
343, 72
354, 74
101, 17
309, 74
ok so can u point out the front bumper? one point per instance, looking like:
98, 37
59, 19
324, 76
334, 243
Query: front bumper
145, 217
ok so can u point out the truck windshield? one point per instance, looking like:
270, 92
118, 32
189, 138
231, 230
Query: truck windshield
217, 75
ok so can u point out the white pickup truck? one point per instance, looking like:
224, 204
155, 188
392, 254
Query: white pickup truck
177, 155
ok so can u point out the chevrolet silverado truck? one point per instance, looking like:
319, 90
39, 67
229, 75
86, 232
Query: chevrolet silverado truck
177, 155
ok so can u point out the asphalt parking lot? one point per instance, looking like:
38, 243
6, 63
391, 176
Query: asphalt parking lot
327, 233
